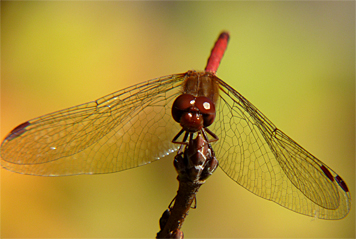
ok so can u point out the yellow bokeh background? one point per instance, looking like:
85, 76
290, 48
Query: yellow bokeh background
293, 60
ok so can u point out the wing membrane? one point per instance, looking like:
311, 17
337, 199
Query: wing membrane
133, 127
119, 131
261, 158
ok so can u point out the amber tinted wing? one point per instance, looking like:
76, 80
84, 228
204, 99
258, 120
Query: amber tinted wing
261, 158
126, 129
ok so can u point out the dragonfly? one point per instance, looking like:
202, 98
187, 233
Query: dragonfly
134, 126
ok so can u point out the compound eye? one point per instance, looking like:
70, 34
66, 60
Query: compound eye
207, 107
182, 104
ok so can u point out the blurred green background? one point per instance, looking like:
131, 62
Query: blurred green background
293, 60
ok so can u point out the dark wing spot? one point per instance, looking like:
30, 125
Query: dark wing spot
342, 183
327, 173
19, 130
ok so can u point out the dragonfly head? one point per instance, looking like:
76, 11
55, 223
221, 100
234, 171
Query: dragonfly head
193, 113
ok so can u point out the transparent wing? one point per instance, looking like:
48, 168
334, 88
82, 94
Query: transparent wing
261, 158
133, 127
122, 130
